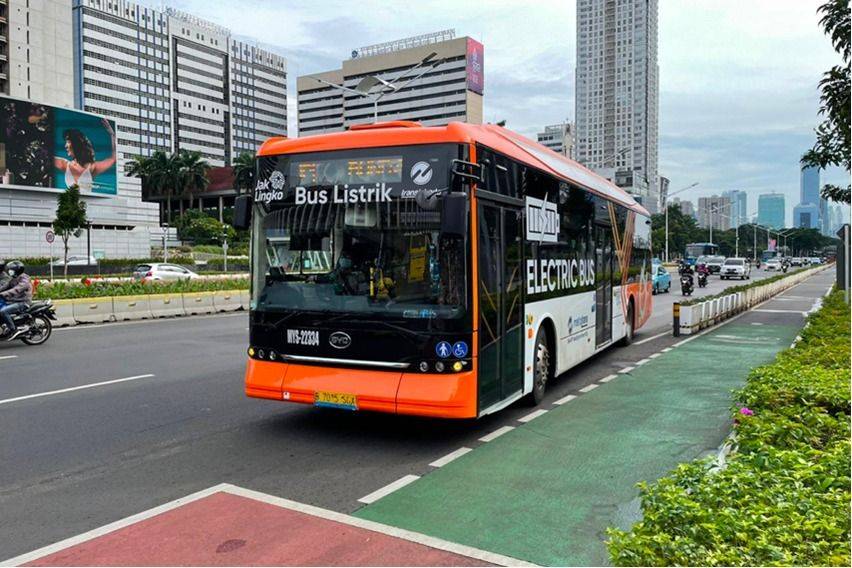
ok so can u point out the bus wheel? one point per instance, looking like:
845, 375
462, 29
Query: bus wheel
628, 336
541, 367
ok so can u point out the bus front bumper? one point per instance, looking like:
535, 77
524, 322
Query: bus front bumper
447, 395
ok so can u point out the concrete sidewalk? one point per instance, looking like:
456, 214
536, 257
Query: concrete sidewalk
546, 491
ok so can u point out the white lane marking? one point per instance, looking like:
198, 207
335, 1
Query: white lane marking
411, 536
652, 338
496, 433
666, 350
565, 399
608, 378
768, 311
532, 415
87, 326
388, 489
626, 370
589, 388
8, 357
440, 462
756, 323
654, 355
642, 362
81, 387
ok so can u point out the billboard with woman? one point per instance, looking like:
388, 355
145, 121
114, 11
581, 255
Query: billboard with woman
45, 146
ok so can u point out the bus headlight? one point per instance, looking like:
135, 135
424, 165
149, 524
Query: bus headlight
251, 351
424, 366
457, 366
439, 366
272, 355
260, 354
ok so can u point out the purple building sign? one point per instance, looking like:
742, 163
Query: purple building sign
475, 66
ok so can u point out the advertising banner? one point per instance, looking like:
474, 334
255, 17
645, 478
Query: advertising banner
52, 147
475, 66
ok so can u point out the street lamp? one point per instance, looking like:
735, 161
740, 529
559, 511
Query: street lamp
165, 242
716, 208
368, 83
784, 235
666, 207
737, 233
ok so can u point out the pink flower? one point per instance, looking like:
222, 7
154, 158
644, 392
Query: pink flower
746, 411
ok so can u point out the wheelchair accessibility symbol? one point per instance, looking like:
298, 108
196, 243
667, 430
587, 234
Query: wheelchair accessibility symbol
443, 350
460, 349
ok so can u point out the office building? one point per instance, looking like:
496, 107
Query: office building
686, 207
715, 210
617, 94
559, 138
450, 88
771, 210
739, 206
811, 212
36, 60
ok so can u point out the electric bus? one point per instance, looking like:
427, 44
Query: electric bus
694, 250
437, 271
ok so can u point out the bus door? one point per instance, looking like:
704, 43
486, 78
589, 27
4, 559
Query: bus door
603, 285
501, 331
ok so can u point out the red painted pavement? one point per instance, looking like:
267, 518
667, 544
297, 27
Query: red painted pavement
230, 530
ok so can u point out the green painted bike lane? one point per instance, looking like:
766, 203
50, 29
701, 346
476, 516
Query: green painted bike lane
546, 491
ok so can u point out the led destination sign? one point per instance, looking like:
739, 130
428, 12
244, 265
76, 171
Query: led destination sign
346, 171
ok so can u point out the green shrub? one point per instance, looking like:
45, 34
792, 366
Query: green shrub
100, 288
783, 498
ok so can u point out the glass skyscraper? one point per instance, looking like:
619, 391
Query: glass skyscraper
770, 210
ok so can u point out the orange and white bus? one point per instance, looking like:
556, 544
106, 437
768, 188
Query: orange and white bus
439, 271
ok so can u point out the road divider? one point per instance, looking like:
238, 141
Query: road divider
147, 306
695, 315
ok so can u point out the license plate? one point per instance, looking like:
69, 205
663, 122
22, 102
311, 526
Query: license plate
336, 400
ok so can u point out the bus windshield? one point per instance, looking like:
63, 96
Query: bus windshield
365, 247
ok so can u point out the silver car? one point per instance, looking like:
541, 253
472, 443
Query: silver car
162, 271
735, 268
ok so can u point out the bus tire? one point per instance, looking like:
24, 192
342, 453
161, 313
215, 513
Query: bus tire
542, 367
630, 321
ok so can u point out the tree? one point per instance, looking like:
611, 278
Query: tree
70, 218
202, 229
683, 229
245, 172
159, 174
832, 146
192, 174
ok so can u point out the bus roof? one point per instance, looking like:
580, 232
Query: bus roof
404, 133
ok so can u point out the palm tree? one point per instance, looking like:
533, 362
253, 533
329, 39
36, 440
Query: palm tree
192, 174
160, 176
244, 168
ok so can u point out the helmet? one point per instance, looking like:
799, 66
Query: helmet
16, 267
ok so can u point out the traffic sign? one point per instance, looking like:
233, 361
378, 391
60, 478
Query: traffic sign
50, 237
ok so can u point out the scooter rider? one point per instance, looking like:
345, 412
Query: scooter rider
17, 297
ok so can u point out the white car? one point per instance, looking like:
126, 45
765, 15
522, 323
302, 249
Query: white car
815, 260
773, 264
77, 261
796, 261
161, 271
735, 268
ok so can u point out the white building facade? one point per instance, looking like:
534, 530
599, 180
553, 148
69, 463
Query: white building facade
617, 94
559, 138
450, 91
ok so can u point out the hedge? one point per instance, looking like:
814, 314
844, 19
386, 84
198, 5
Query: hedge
741, 288
784, 496
96, 288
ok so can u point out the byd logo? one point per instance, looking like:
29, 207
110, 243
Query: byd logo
340, 340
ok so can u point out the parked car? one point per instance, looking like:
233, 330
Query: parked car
773, 264
159, 271
735, 268
714, 264
661, 279
77, 261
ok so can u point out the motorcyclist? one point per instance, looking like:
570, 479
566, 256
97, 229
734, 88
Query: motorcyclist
702, 269
16, 297
4, 276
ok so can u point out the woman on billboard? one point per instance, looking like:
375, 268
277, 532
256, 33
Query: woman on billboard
82, 168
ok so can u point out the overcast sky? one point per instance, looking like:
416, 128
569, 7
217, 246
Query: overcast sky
738, 79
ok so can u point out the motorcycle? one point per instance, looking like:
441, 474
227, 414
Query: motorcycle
702, 279
36, 320
686, 285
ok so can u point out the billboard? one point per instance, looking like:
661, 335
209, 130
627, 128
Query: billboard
475, 66
52, 147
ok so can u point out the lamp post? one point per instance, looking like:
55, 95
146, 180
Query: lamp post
712, 208
666, 207
784, 234
366, 85
165, 242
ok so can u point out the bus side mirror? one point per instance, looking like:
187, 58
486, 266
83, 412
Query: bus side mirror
242, 212
454, 217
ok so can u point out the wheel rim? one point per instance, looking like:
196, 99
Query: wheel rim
38, 331
542, 365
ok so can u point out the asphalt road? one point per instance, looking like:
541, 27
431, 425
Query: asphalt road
79, 459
